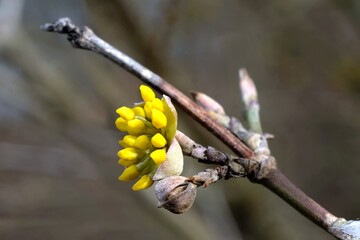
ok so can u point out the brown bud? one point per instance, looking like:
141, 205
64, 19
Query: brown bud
175, 194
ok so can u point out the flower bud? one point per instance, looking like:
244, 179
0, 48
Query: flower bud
142, 142
135, 126
158, 118
158, 140
158, 156
147, 93
121, 124
128, 141
158, 104
128, 153
126, 113
139, 111
175, 194
130, 173
144, 182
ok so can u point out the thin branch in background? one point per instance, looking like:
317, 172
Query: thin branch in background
268, 175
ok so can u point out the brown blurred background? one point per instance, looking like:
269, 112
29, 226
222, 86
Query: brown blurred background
58, 143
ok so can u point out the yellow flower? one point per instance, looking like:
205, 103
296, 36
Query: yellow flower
126, 113
158, 119
144, 182
158, 156
121, 124
147, 93
150, 150
158, 140
130, 173
128, 141
135, 126
142, 142
158, 104
128, 153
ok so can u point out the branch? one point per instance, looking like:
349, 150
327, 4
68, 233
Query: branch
272, 178
86, 39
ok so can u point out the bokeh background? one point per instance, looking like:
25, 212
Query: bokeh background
58, 143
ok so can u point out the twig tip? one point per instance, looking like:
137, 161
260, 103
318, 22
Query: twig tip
243, 73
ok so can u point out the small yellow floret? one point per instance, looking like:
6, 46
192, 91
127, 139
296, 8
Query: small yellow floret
130, 173
158, 140
143, 183
139, 111
148, 109
126, 113
158, 119
147, 93
121, 124
128, 141
158, 156
135, 126
128, 153
158, 104
142, 142
127, 163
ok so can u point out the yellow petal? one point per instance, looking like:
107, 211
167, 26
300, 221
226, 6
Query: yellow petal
143, 183
158, 156
139, 111
126, 113
147, 93
158, 104
142, 142
135, 126
127, 163
130, 173
148, 109
128, 153
158, 140
121, 124
128, 141
158, 119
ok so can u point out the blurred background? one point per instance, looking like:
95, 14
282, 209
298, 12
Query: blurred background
58, 143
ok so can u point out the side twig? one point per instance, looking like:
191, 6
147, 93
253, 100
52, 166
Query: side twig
209, 155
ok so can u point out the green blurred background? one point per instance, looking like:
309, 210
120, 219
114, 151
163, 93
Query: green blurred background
58, 143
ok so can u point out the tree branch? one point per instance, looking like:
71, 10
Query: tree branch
86, 39
274, 180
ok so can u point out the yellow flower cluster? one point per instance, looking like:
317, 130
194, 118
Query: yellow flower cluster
150, 127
